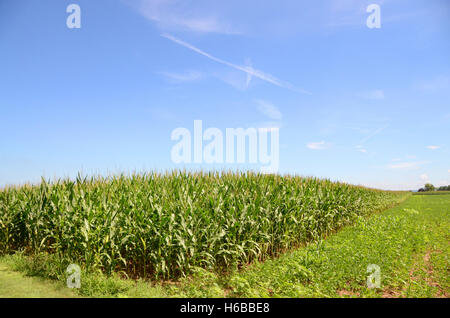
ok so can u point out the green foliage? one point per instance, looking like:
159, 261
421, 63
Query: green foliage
432, 193
398, 241
166, 225
408, 242
429, 187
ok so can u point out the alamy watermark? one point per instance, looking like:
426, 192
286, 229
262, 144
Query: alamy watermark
74, 19
374, 279
374, 19
263, 146
74, 278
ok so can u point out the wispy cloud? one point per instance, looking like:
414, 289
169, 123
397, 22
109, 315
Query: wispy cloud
353, 13
376, 94
433, 147
361, 149
321, 145
269, 110
246, 69
370, 136
252, 18
232, 78
347, 13
189, 76
266, 125
173, 15
439, 83
407, 157
407, 165
162, 113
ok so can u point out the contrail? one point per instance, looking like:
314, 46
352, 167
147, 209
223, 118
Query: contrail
373, 134
246, 69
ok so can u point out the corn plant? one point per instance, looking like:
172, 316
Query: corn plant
163, 225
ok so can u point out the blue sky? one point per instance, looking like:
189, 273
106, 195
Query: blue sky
364, 106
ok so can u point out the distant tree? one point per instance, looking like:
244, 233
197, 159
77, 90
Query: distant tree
421, 190
429, 187
444, 188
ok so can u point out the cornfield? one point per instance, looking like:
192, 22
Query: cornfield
163, 225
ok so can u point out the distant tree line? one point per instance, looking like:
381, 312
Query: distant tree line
430, 187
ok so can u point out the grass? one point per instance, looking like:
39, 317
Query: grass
165, 226
14, 284
409, 242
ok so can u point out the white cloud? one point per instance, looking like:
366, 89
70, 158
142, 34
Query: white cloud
246, 69
405, 185
361, 149
254, 19
321, 145
403, 165
373, 94
433, 147
175, 15
189, 76
406, 165
269, 110
442, 183
424, 177
407, 157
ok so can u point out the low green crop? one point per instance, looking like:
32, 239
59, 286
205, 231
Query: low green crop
164, 225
